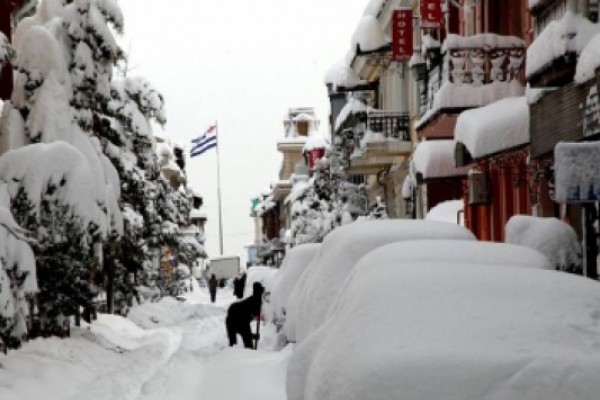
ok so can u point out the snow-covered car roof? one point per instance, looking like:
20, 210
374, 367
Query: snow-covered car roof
325, 275
447, 330
460, 251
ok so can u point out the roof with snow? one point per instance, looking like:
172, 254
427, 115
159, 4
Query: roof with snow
499, 126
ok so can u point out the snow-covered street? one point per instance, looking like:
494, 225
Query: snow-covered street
166, 350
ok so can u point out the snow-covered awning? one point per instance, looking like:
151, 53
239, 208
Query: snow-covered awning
435, 159
369, 36
570, 34
491, 129
454, 95
589, 60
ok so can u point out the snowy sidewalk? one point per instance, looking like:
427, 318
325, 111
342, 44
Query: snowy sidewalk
167, 350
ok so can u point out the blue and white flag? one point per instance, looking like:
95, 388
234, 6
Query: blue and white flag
204, 142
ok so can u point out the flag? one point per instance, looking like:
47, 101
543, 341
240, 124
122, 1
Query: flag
204, 142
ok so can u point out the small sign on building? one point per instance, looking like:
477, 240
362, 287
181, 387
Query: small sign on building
431, 13
577, 172
402, 34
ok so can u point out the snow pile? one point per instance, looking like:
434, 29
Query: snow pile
234, 374
577, 171
435, 159
368, 35
292, 267
169, 312
550, 236
499, 126
325, 276
111, 358
447, 211
477, 331
568, 35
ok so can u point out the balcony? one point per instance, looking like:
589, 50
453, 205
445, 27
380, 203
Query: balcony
379, 138
472, 72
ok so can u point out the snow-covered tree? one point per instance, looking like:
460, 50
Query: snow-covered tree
323, 203
18, 280
48, 106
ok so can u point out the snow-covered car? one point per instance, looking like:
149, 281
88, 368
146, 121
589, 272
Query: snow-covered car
341, 249
294, 263
433, 329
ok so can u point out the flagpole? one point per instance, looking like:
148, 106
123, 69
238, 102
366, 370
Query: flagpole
219, 190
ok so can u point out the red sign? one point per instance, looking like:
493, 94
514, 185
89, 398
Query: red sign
431, 13
402, 35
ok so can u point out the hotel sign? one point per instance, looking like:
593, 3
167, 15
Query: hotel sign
402, 34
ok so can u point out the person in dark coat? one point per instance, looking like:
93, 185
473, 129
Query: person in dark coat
242, 285
241, 313
212, 287
236, 288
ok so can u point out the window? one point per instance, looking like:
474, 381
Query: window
552, 12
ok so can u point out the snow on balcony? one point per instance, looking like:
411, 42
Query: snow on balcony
484, 40
570, 34
435, 159
496, 127
474, 71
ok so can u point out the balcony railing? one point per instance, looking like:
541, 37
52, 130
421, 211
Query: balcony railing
392, 125
473, 67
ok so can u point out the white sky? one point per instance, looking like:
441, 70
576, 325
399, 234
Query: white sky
242, 64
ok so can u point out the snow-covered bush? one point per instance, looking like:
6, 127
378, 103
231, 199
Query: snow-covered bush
325, 276
550, 236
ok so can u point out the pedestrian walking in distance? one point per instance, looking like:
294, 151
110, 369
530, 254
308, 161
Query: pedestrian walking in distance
241, 313
212, 287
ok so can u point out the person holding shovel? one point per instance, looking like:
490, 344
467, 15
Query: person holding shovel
241, 313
